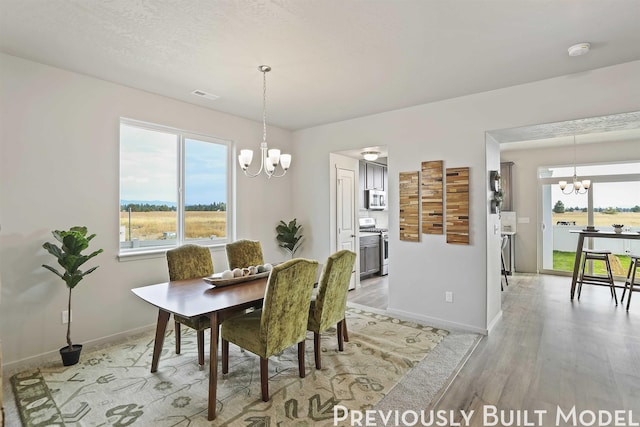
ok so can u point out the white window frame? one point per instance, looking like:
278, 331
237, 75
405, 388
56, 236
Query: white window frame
146, 251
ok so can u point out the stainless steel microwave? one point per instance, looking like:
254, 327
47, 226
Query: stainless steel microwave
376, 199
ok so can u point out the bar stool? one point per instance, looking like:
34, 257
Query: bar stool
593, 279
504, 270
631, 277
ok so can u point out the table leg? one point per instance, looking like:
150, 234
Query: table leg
576, 264
213, 366
161, 328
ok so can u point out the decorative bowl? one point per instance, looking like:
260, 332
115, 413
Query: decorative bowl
617, 228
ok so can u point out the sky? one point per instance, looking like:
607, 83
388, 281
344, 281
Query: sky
148, 168
605, 194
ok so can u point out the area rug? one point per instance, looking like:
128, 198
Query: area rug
114, 386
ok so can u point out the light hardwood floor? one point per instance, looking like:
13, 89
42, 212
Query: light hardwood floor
546, 351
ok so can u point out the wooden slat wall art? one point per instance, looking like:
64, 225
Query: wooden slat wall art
458, 205
410, 206
432, 197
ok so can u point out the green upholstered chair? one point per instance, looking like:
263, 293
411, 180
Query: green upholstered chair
190, 262
243, 253
280, 323
330, 303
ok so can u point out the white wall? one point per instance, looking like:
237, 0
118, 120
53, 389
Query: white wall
525, 183
494, 238
451, 130
59, 167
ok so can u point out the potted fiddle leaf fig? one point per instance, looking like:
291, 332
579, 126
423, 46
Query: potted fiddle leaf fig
71, 258
289, 236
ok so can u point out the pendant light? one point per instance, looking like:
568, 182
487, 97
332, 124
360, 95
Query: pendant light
578, 186
269, 158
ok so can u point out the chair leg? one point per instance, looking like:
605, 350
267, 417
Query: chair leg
611, 282
316, 349
301, 358
345, 332
200, 339
264, 378
631, 280
177, 331
624, 291
225, 356
580, 277
504, 271
340, 329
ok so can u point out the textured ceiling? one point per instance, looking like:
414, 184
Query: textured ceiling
332, 60
615, 127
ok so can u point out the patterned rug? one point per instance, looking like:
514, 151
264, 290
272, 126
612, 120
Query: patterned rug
114, 386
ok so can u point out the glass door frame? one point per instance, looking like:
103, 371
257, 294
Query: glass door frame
595, 179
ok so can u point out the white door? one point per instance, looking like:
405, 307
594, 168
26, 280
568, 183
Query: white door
346, 213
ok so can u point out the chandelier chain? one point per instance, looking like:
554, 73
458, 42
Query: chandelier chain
264, 106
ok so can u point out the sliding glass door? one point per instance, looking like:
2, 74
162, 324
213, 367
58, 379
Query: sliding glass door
614, 198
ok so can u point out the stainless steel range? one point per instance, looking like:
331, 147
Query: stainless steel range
369, 225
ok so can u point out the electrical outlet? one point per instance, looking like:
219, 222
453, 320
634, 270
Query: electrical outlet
65, 317
448, 296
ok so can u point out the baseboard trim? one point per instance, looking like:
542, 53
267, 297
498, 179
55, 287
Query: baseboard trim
440, 323
31, 362
494, 322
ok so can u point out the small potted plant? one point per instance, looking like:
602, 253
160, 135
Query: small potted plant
617, 228
289, 236
70, 258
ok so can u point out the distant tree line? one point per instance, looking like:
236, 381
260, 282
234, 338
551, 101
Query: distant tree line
147, 207
559, 208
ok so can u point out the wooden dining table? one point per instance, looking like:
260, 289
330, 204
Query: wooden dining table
582, 234
193, 298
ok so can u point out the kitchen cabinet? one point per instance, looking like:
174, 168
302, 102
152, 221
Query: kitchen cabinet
372, 176
362, 185
375, 176
506, 185
369, 255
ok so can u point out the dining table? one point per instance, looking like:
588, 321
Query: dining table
194, 298
598, 234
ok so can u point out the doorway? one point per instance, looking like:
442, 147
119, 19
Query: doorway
347, 167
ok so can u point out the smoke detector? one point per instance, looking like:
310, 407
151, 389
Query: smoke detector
579, 49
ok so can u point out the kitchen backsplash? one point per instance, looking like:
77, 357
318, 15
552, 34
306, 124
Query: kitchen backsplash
381, 217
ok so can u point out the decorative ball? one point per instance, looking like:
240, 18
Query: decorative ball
261, 269
253, 269
268, 267
237, 272
227, 274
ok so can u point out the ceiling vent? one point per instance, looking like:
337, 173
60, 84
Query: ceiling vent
204, 94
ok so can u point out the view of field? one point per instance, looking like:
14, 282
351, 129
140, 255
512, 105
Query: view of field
628, 219
155, 225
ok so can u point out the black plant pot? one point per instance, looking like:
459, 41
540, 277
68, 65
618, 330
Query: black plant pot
70, 357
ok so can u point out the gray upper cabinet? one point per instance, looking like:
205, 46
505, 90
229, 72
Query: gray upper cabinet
506, 183
363, 185
373, 176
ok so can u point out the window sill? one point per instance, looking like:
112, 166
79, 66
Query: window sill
157, 253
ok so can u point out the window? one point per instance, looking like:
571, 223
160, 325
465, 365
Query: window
175, 188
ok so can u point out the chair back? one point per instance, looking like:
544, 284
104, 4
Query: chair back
189, 262
331, 300
243, 253
285, 310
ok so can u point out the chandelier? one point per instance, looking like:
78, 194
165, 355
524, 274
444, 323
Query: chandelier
578, 187
269, 158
